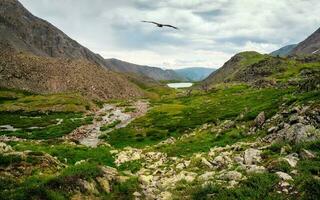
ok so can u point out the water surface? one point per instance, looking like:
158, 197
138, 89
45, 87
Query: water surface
179, 85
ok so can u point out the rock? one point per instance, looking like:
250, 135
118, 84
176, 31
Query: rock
187, 163
256, 169
299, 133
206, 176
305, 154
109, 173
260, 119
272, 129
4, 148
292, 159
252, 156
114, 151
180, 166
231, 175
219, 161
90, 187
239, 159
80, 162
284, 176
206, 162
145, 179
165, 195
104, 184
136, 194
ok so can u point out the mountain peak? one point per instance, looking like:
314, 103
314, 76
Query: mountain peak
311, 45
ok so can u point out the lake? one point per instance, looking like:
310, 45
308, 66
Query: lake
179, 85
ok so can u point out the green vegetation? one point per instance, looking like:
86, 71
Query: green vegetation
42, 116
42, 126
176, 116
69, 154
202, 143
111, 125
14, 100
259, 186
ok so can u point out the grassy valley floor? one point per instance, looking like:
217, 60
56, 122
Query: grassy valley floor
232, 142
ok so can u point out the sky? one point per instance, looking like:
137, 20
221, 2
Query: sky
211, 31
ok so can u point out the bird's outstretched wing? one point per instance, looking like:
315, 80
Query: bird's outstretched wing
168, 25
151, 22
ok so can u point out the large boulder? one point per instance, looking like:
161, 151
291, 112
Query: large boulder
252, 156
298, 133
4, 148
231, 176
260, 119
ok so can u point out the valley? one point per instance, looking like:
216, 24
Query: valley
75, 125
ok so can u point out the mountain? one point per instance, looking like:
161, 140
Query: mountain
38, 57
194, 73
26, 32
151, 72
311, 45
284, 51
229, 70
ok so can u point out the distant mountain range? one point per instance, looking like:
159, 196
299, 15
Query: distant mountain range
151, 72
311, 45
194, 73
284, 51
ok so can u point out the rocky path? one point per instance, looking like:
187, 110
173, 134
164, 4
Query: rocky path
88, 135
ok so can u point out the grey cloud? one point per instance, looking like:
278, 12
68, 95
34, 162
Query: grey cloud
211, 31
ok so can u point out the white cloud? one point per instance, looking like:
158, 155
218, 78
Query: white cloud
211, 31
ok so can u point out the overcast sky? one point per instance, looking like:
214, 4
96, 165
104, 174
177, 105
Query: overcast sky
211, 31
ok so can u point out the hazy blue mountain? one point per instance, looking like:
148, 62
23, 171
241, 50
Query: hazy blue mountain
284, 51
155, 73
195, 73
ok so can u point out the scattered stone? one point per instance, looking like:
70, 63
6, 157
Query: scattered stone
252, 156
207, 163
292, 159
299, 133
145, 179
260, 119
80, 162
4, 148
256, 169
284, 176
239, 159
206, 176
272, 129
306, 154
136, 194
165, 195
90, 187
231, 175
104, 184
180, 166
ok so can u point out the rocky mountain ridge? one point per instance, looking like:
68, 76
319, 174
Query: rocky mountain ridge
144, 71
311, 45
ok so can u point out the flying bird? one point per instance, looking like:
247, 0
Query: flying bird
161, 25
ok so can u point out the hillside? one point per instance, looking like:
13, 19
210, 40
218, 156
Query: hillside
55, 75
284, 51
311, 45
26, 32
151, 72
228, 71
38, 57
194, 73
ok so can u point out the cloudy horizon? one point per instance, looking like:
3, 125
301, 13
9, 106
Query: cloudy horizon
210, 31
